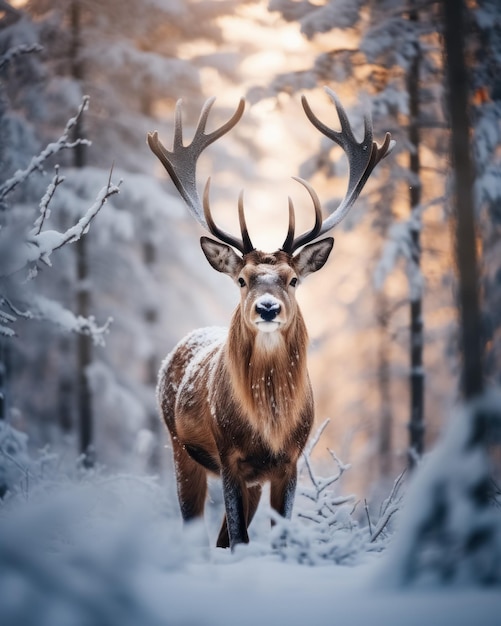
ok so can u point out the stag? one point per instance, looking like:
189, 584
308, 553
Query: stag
238, 403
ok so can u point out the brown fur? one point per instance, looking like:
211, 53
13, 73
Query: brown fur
239, 404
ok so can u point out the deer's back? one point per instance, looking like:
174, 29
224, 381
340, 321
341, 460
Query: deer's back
186, 370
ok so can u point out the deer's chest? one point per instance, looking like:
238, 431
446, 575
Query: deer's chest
259, 464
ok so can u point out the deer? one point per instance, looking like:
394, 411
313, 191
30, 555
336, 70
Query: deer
238, 402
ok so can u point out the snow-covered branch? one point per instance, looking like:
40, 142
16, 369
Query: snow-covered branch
25, 249
45, 201
17, 51
324, 528
40, 244
64, 142
389, 507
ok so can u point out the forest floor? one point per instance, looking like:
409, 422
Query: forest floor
101, 550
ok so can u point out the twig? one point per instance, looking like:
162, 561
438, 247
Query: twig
45, 201
11, 54
52, 148
395, 488
25, 314
310, 518
383, 522
74, 233
309, 449
306, 458
366, 507
314, 440
40, 247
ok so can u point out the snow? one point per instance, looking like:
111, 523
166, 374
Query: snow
82, 547
94, 547
107, 552
447, 530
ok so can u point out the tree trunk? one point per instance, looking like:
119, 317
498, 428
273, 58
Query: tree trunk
385, 441
465, 235
84, 342
416, 377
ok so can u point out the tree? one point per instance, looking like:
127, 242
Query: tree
451, 530
133, 74
25, 249
484, 48
389, 54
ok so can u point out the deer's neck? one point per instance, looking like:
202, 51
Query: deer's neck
269, 376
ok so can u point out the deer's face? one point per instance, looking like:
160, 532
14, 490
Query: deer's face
267, 282
267, 286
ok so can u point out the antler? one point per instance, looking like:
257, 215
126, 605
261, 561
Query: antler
245, 244
181, 161
362, 158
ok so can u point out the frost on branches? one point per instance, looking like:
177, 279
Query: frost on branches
326, 528
24, 249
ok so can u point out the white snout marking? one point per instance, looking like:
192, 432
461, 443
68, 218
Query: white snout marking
268, 298
267, 327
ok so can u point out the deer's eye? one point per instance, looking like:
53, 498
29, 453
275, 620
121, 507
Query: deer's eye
293, 282
241, 282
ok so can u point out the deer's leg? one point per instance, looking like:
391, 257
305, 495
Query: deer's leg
191, 483
282, 491
251, 501
236, 503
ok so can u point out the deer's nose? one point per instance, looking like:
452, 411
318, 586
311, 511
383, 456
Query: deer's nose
268, 309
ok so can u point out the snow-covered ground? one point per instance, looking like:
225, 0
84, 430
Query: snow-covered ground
115, 566
98, 549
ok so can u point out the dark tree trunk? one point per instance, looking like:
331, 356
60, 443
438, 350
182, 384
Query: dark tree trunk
465, 234
84, 342
416, 422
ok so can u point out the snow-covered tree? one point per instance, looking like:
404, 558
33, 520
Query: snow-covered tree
135, 60
388, 54
485, 45
451, 529
25, 247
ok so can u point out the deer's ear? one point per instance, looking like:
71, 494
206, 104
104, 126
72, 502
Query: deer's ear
222, 257
313, 257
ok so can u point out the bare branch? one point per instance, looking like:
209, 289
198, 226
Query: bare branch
366, 507
396, 485
314, 440
306, 457
383, 522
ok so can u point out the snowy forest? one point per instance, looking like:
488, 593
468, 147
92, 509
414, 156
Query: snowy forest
397, 513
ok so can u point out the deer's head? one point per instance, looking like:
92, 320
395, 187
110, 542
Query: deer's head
268, 281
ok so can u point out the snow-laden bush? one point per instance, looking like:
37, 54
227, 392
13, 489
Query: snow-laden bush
325, 527
450, 528
78, 547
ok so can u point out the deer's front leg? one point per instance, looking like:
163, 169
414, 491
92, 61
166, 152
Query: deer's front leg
234, 493
283, 490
